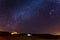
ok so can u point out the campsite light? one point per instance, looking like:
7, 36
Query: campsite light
12, 33
29, 35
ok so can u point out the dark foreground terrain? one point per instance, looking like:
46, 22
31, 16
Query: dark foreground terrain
8, 36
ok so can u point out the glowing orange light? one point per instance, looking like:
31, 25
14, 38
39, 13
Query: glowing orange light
12, 33
57, 33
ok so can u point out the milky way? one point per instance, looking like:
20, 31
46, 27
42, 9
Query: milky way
30, 16
26, 11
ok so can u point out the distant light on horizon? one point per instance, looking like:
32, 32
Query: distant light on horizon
56, 34
28, 34
12, 33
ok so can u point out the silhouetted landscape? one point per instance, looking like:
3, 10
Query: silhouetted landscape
8, 36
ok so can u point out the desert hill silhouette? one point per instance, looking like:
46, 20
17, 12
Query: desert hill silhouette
44, 36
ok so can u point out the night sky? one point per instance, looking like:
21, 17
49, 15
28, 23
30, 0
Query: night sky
30, 16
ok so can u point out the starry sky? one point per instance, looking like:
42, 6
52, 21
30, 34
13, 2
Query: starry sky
30, 16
